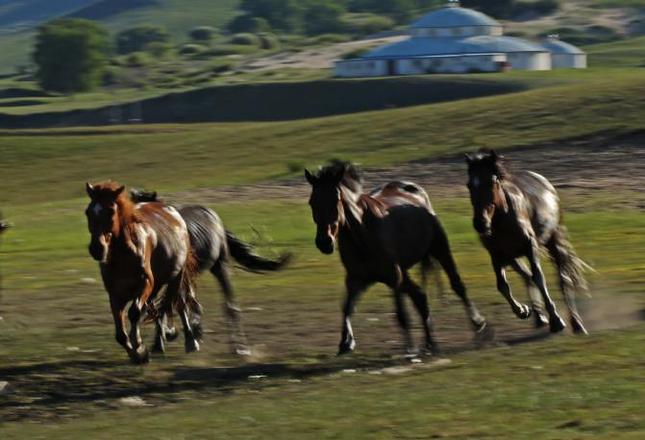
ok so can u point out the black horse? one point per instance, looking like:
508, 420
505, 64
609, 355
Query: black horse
516, 215
380, 236
212, 247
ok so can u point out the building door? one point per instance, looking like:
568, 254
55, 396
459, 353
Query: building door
391, 67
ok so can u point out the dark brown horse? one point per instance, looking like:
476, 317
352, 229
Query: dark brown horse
515, 215
213, 246
140, 250
380, 236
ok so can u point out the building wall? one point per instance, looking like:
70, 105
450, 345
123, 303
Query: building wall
361, 68
529, 60
456, 64
569, 61
458, 32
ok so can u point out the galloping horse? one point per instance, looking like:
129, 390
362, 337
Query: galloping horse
212, 245
140, 249
380, 236
516, 214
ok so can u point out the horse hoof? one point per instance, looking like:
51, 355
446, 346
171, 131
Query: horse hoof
432, 349
158, 348
197, 329
171, 333
140, 356
540, 320
242, 350
524, 312
480, 325
346, 347
191, 346
484, 336
578, 328
556, 324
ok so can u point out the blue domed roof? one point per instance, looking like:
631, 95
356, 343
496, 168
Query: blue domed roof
454, 17
424, 46
560, 47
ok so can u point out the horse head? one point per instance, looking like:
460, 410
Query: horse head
485, 176
103, 217
326, 200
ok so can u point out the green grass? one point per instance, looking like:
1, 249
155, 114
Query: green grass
629, 52
204, 155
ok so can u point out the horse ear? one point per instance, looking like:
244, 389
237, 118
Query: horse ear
310, 177
468, 158
496, 157
119, 190
89, 188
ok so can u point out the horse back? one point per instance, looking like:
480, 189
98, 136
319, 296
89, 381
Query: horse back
207, 234
401, 193
541, 201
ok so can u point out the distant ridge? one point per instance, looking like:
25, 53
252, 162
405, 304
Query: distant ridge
15, 14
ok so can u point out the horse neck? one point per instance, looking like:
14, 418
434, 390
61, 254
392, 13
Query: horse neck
357, 206
127, 218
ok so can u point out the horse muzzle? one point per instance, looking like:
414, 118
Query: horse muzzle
325, 245
99, 249
482, 226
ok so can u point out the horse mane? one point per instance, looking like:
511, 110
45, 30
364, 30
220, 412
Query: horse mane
494, 162
349, 177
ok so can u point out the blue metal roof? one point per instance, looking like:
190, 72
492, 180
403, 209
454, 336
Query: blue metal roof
454, 17
560, 47
424, 46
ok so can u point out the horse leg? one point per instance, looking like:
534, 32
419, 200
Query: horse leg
354, 288
441, 251
420, 301
237, 338
522, 311
118, 311
160, 334
178, 292
403, 319
190, 342
536, 299
139, 353
556, 324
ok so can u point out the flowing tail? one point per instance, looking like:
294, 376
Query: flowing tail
243, 254
571, 271
571, 268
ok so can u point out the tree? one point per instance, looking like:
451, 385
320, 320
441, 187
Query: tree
321, 17
71, 55
281, 14
136, 39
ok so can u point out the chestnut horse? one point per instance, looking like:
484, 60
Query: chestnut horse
380, 236
140, 249
515, 215
213, 246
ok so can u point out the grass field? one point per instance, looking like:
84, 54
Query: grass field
69, 379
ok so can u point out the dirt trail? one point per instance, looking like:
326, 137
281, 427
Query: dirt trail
577, 168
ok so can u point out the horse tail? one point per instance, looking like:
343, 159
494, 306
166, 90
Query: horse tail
243, 254
571, 268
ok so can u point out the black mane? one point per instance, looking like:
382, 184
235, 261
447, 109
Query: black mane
491, 161
338, 171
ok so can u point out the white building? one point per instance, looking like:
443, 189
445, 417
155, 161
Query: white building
565, 55
459, 40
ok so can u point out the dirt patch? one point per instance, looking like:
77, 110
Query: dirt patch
578, 168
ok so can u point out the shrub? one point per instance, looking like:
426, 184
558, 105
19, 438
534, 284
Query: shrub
202, 33
191, 49
245, 39
137, 59
269, 41
321, 18
111, 76
136, 39
366, 24
248, 23
159, 49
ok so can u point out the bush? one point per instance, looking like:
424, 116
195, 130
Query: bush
137, 59
269, 41
111, 76
321, 18
136, 39
191, 49
221, 66
245, 39
71, 55
581, 37
280, 14
202, 33
541, 7
159, 49
366, 24
248, 23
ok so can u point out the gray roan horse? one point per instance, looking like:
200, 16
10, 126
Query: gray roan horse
380, 236
515, 215
212, 246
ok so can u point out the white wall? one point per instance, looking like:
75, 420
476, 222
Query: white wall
361, 68
456, 64
529, 60
569, 61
